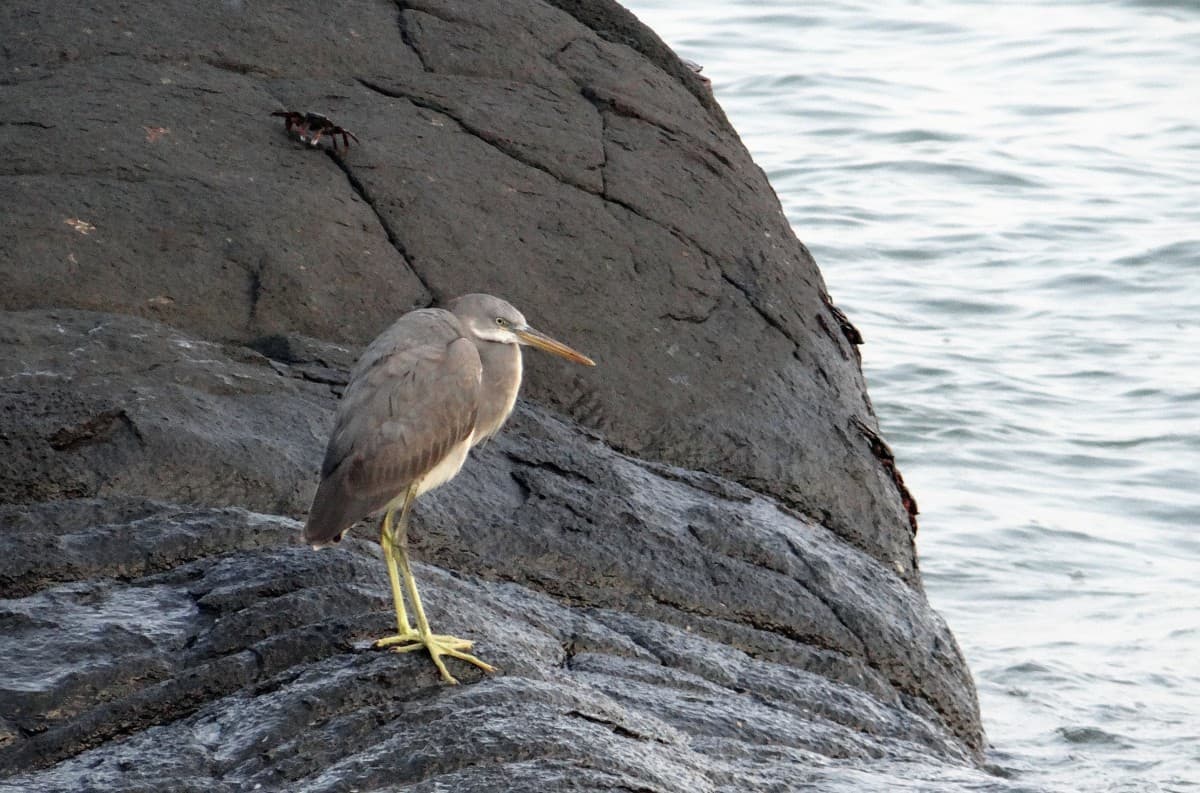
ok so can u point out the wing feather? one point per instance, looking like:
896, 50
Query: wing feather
412, 397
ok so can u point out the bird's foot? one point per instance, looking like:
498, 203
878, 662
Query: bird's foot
412, 641
438, 645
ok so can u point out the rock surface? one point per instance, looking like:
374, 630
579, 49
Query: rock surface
693, 565
508, 147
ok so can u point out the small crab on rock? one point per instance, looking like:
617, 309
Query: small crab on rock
310, 127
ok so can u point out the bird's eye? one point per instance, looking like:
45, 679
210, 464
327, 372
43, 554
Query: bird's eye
502, 322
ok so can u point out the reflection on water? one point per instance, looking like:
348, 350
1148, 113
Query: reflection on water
1005, 198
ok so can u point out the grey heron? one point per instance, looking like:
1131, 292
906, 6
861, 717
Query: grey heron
424, 392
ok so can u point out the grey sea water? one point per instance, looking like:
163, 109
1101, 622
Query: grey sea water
1005, 198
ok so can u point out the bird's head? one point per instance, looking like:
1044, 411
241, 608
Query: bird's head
489, 318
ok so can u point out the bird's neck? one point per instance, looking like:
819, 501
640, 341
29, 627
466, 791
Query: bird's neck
501, 382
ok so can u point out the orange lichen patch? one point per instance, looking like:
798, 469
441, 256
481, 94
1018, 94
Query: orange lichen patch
82, 226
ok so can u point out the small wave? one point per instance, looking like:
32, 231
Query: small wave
916, 136
778, 20
1186, 8
1044, 110
965, 307
968, 174
1130, 443
1092, 735
1183, 252
1094, 283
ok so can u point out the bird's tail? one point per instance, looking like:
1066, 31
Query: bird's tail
334, 510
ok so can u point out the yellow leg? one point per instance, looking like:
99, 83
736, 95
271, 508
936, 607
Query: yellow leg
438, 645
403, 628
395, 550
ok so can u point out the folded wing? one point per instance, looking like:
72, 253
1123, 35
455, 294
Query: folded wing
412, 400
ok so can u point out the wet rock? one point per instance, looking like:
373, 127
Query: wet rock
691, 565
98, 404
667, 620
250, 666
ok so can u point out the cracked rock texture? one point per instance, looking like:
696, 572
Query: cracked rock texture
693, 565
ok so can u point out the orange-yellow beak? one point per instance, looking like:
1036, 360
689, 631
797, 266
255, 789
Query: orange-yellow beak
535, 338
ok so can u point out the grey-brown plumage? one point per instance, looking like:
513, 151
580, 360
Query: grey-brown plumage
427, 389
412, 396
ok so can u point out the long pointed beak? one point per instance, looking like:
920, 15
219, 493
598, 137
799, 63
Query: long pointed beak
535, 338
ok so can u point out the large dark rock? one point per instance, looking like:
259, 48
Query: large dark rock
693, 565
508, 147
